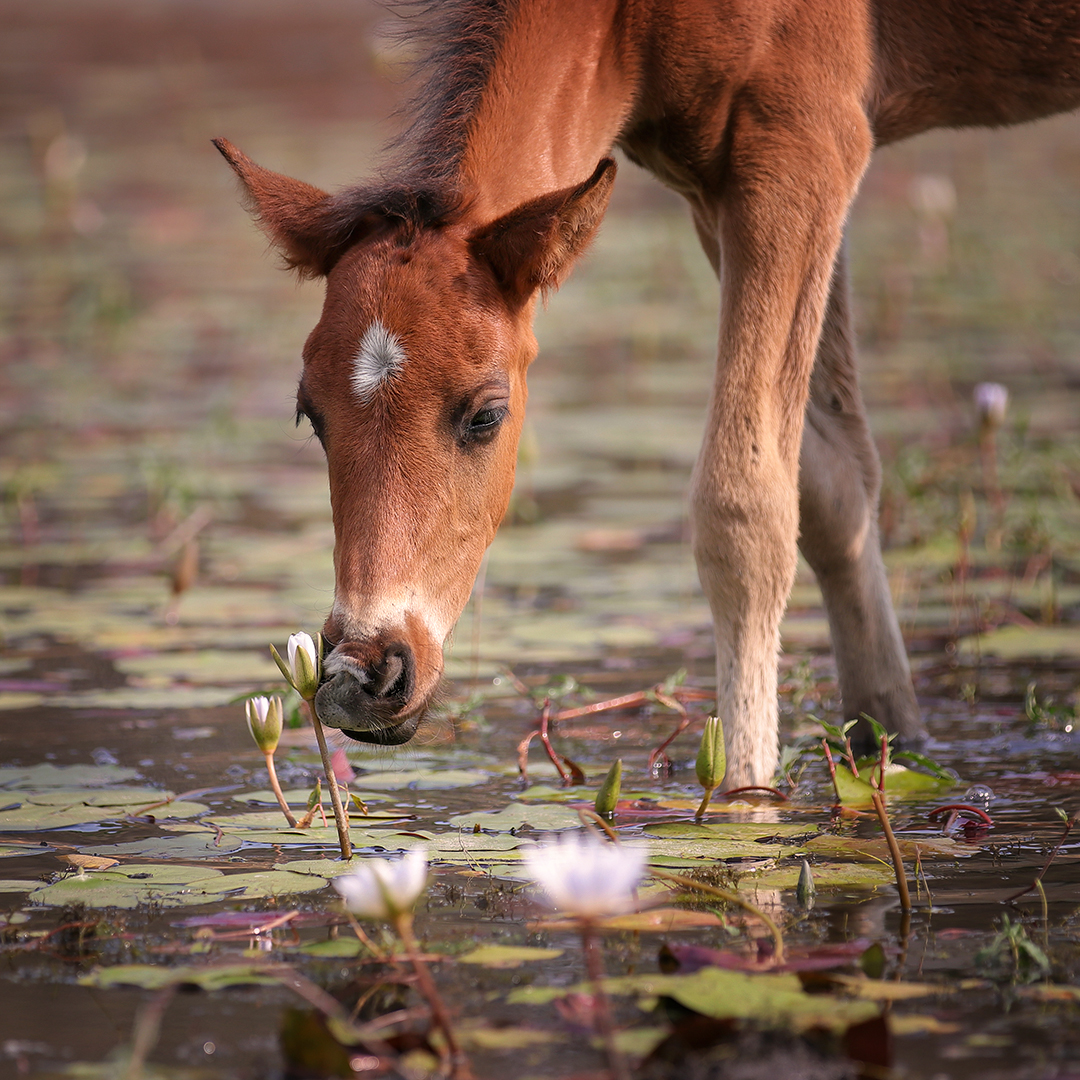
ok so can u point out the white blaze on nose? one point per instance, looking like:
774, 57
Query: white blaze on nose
380, 356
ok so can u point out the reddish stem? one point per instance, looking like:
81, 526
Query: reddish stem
756, 787
832, 769
959, 808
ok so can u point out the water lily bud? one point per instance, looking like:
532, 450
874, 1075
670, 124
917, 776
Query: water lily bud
711, 764
264, 722
991, 401
302, 669
586, 877
805, 889
607, 798
381, 889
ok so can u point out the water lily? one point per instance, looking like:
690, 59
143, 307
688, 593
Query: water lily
384, 889
264, 720
304, 664
586, 877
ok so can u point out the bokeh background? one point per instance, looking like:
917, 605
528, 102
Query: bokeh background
150, 348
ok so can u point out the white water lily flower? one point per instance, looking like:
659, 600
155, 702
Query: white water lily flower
303, 664
264, 719
587, 877
384, 889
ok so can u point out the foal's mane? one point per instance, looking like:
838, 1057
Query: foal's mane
456, 42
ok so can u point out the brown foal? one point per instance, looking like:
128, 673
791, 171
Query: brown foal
763, 114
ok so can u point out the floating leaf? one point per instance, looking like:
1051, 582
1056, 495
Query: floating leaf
14, 885
424, 779
199, 845
658, 920
852, 875
541, 816
344, 948
156, 976
129, 886
507, 956
507, 1038
47, 775
728, 830
260, 883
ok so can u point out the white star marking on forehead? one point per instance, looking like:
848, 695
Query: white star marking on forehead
380, 356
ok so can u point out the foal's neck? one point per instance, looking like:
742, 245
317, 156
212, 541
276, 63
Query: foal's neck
560, 89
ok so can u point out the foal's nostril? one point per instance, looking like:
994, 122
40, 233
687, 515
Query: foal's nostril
392, 676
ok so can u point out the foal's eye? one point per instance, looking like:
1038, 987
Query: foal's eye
485, 423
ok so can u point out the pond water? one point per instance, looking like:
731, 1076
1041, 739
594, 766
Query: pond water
163, 523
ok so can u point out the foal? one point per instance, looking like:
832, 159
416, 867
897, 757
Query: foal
763, 114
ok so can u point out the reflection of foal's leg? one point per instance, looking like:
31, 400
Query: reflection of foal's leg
839, 481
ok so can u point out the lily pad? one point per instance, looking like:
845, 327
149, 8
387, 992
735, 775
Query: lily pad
344, 948
47, 775
32, 817
200, 845
260, 883
424, 779
899, 782
774, 1000
1011, 643
830, 846
212, 667
728, 830
14, 885
156, 976
129, 886
540, 816
826, 876
507, 956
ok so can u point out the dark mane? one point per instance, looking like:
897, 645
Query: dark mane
456, 42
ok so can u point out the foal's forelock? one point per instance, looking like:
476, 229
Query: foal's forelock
380, 357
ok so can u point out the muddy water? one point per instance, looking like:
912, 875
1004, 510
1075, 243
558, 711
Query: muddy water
150, 353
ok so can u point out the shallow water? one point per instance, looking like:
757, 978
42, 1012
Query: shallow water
149, 365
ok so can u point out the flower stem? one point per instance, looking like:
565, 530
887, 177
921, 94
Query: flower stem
277, 789
706, 799
459, 1063
894, 850
595, 966
340, 819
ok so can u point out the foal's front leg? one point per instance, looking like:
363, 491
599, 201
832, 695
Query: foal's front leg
778, 224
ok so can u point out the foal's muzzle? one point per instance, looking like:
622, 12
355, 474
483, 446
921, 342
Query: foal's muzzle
366, 692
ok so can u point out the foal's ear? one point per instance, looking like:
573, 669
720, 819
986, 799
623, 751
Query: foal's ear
534, 246
294, 215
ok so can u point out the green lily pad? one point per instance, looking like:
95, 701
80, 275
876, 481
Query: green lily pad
156, 976
147, 697
508, 956
541, 816
129, 886
212, 667
47, 775
126, 796
424, 779
199, 845
719, 849
260, 883
295, 797
728, 830
899, 782
826, 876
15, 885
10, 851
344, 948
775, 1000
32, 817
830, 846
1011, 643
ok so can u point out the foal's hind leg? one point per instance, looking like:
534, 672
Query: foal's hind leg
839, 480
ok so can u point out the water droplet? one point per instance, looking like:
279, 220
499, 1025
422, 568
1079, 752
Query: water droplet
208, 1047
101, 756
979, 795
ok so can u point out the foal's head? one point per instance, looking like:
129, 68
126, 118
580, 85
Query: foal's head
414, 382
